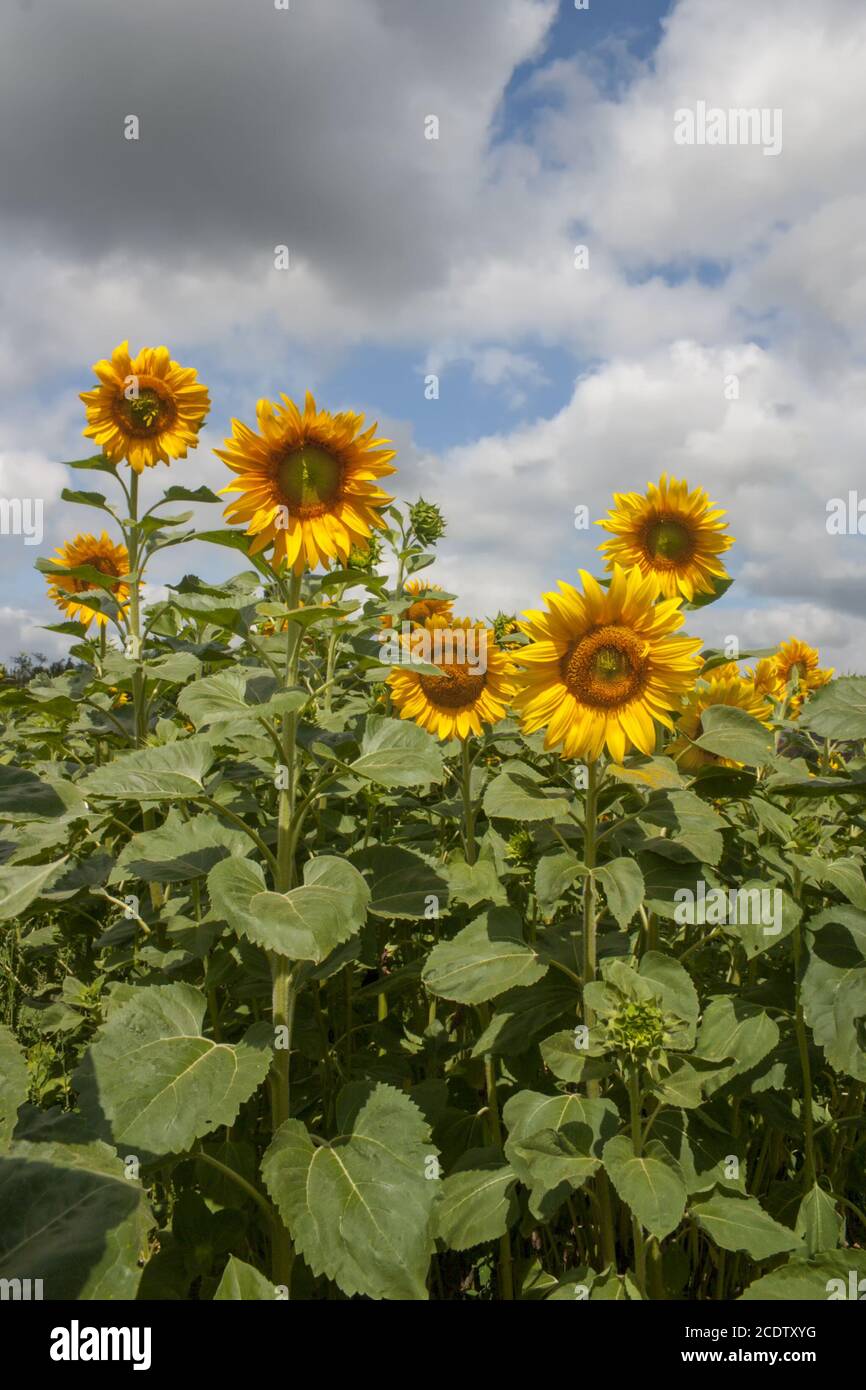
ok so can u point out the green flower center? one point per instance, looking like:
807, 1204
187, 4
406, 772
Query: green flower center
310, 480
638, 1028
668, 540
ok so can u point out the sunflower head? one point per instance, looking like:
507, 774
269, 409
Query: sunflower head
798, 673
475, 687
307, 482
602, 667
722, 690
766, 679
424, 600
672, 533
146, 408
101, 554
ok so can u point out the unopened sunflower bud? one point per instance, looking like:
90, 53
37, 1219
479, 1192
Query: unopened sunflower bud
428, 523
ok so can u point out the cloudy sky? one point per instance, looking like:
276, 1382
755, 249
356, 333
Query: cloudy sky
559, 383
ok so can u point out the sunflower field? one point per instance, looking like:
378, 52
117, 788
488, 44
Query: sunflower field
353, 947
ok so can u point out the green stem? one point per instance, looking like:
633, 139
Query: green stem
637, 1145
470, 810
805, 1065
589, 846
506, 1269
283, 986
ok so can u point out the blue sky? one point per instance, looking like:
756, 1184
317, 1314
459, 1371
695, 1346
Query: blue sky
558, 386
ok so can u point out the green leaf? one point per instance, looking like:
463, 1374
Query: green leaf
740, 1223
484, 960
24, 796
834, 1275
359, 1207
721, 584
227, 697
838, 710
733, 1029
402, 884
179, 850
730, 732
71, 1216
623, 885
308, 923
689, 822
658, 774
672, 985
651, 1185
174, 772
395, 753
477, 1202
703, 1153
158, 1081
186, 494
818, 1221
516, 794
554, 875
555, 1143
475, 883
241, 1281
14, 1082
834, 988
21, 886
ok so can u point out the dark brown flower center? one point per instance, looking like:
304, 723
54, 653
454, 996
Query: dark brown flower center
606, 668
453, 689
146, 413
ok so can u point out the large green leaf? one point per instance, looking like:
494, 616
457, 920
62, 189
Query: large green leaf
555, 1143
730, 732
623, 886
651, 1184
229, 696
403, 885
818, 1221
484, 960
518, 793
689, 823
21, 886
308, 923
838, 711
831, 1276
14, 1082
179, 850
395, 753
834, 987
477, 1201
241, 1281
24, 796
740, 1223
170, 773
554, 876
732, 1029
359, 1207
71, 1215
157, 1081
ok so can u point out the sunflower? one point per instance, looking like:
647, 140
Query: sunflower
423, 603
673, 533
101, 554
798, 673
766, 679
146, 409
308, 482
728, 689
469, 693
604, 666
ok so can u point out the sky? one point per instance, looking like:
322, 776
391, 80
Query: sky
714, 328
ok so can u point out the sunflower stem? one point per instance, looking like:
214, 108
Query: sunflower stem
283, 984
589, 846
470, 810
